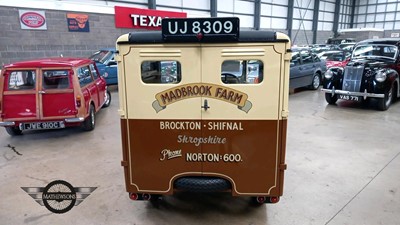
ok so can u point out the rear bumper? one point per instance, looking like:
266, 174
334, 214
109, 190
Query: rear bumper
74, 120
67, 120
7, 124
364, 94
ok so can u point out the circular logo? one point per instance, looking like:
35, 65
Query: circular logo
59, 196
32, 19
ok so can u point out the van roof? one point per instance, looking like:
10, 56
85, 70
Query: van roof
50, 62
152, 37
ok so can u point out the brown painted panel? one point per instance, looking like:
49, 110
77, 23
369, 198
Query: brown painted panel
249, 157
155, 155
246, 152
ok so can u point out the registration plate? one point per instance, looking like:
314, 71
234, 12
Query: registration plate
350, 97
42, 125
200, 29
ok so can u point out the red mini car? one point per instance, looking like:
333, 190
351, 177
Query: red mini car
51, 93
335, 58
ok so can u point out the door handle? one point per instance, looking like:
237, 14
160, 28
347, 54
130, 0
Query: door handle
205, 106
41, 92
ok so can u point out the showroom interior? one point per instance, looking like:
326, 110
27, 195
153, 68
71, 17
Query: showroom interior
342, 156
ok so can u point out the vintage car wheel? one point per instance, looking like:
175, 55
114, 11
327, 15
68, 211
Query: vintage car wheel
384, 103
13, 131
331, 99
90, 121
107, 102
316, 82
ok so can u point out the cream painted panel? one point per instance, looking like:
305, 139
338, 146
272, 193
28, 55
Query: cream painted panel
265, 97
140, 96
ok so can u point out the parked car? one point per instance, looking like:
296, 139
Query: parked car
51, 93
106, 64
335, 58
306, 69
372, 72
347, 47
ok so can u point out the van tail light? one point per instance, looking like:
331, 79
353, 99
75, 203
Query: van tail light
274, 199
78, 101
133, 196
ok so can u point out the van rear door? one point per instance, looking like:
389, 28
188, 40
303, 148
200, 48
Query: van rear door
244, 111
163, 117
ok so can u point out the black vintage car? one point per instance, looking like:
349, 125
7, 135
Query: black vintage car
372, 73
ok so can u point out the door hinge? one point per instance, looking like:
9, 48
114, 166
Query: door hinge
124, 163
285, 114
283, 166
288, 55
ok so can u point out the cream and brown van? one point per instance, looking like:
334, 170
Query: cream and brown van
204, 108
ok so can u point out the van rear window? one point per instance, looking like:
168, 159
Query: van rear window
242, 71
55, 79
161, 72
22, 80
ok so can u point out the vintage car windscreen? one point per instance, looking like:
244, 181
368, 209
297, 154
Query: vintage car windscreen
161, 72
101, 56
242, 71
22, 80
55, 79
84, 76
365, 51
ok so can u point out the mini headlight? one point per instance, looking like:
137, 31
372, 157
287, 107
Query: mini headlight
328, 74
380, 76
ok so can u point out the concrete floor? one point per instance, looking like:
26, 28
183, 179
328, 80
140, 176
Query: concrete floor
343, 168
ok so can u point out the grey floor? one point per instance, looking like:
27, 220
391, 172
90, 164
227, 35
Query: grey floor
343, 168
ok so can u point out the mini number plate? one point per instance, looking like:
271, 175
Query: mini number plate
350, 97
200, 29
42, 125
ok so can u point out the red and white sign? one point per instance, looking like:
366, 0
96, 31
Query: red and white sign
142, 18
32, 20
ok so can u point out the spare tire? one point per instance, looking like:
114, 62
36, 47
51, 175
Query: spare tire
202, 184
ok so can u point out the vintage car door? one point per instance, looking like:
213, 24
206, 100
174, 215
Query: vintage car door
240, 119
163, 118
20, 94
56, 93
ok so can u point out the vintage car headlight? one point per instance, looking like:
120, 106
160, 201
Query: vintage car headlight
328, 74
380, 76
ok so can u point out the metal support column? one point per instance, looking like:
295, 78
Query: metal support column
336, 18
213, 8
289, 23
257, 14
152, 4
315, 22
353, 11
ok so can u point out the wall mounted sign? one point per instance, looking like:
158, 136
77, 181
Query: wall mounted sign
78, 22
142, 18
32, 20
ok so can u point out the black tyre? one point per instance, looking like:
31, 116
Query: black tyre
90, 121
384, 103
202, 184
316, 82
331, 99
107, 102
13, 131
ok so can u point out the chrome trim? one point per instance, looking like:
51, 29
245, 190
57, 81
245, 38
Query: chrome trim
74, 120
7, 123
364, 94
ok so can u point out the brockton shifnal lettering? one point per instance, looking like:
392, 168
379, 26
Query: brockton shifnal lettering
190, 125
